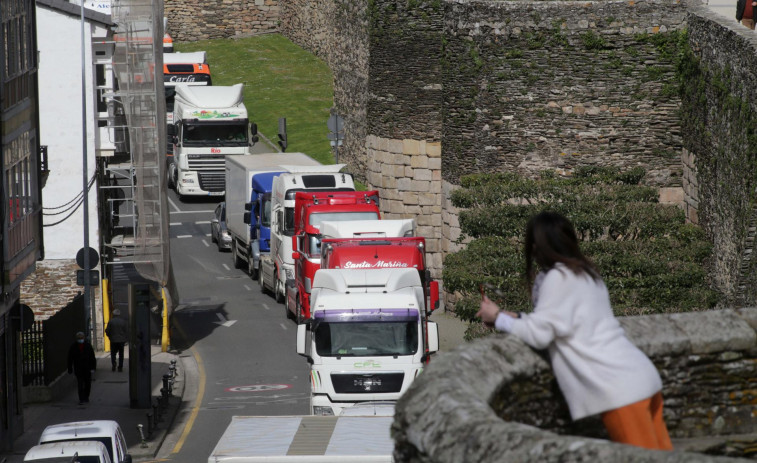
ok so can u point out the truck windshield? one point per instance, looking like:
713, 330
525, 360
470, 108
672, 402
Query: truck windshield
231, 133
319, 218
361, 336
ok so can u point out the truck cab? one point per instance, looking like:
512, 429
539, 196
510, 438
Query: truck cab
369, 336
311, 211
279, 267
209, 124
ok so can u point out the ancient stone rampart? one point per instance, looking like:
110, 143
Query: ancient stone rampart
193, 20
496, 399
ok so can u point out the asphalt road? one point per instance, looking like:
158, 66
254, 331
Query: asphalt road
240, 340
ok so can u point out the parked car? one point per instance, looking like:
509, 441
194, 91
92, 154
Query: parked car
69, 452
107, 432
219, 234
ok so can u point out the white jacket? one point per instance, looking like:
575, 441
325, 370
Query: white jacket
597, 367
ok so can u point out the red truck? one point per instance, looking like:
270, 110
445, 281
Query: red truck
311, 210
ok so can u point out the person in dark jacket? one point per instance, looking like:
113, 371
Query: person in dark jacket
118, 334
82, 363
745, 12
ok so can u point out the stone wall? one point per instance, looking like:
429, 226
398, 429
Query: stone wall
496, 399
718, 117
53, 286
193, 20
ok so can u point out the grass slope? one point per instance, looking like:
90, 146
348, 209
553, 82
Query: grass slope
280, 80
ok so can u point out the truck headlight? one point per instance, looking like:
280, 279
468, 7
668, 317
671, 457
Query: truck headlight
323, 411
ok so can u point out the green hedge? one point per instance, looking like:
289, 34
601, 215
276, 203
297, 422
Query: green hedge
650, 259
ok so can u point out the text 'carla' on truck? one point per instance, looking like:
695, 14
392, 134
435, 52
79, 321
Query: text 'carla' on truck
209, 124
311, 210
249, 181
368, 338
182, 68
278, 266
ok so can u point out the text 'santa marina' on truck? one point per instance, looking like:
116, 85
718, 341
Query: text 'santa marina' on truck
209, 124
277, 268
311, 210
369, 337
248, 203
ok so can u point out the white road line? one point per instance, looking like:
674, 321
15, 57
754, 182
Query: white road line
174, 224
283, 326
265, 306
226, 267
184, 236
207, 234
202, 222
192, 212
205, 243
172, 204
247, 288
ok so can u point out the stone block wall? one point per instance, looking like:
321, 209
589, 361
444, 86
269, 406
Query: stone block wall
496, 399
690, 186
718, 120
53, 286
193, 20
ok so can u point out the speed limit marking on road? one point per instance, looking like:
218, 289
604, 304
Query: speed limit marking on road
259, 388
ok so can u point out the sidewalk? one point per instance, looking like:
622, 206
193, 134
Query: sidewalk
109, 400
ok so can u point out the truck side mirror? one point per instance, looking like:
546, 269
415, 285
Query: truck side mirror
302, 332
246, 218
171, 130
433, 337
295, 255
253, 133
433, 295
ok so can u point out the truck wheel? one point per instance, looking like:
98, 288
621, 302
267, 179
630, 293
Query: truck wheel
254, 272
278, 291
171, 182
262, 285
235, 256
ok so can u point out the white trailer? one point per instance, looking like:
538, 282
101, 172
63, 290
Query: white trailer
278, 270
305, 439
368, 338
248, 201
209, 124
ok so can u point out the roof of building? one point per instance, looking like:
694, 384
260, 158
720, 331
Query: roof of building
64, 6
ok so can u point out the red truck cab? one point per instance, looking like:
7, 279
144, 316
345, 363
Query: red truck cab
311, 209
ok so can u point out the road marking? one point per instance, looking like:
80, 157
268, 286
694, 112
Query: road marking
205, 243
173, 204
184, 236
283, 326
198, 399
175, 224
207, 234
247, 288
226, 267
202, 222
265, 306
257, 388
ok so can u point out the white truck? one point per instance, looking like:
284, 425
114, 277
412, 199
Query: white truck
305, 439
368, 338
248, 203
278, 267
209, 124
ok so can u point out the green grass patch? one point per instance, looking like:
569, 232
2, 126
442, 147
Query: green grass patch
280, 80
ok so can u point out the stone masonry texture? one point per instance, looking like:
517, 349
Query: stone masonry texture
193, 20
502, 402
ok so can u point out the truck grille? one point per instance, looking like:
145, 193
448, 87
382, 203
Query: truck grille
212, 181
200, 164
367, 383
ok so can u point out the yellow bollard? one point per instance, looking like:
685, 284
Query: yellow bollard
106, 314
164, 336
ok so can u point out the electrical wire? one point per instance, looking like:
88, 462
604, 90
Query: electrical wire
77, 198
75, 207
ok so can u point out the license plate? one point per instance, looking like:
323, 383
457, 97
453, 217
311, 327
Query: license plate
215, 193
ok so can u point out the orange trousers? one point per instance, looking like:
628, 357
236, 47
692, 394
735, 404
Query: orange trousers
639, 424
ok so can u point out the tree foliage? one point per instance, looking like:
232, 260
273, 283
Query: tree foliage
650, 259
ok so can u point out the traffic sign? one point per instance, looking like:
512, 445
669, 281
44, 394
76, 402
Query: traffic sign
94, 277
336, 125
94, 259
258, 388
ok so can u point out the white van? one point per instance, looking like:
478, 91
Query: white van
108, 432
67, 452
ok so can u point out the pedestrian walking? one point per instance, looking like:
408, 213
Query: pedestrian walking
598, 369
82, 363
745, 12
118, 334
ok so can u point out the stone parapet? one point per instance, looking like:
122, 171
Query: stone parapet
193, 20
496, 399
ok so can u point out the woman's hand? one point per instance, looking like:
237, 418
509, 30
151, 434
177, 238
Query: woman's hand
488, 311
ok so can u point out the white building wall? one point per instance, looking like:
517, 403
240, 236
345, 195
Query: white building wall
60, 109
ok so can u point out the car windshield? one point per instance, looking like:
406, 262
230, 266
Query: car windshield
319, 218
336, 339
232, 133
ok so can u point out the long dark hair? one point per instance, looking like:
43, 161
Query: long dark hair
551, 238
